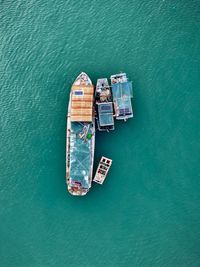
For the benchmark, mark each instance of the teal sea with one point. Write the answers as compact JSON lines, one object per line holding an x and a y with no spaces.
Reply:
{"x":147,"y":213}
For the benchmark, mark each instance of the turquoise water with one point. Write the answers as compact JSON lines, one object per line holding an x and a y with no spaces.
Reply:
{"x":147,"y":213}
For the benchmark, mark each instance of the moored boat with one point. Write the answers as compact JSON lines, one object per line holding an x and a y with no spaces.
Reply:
{"x":102,"y":170}
{"x":104,"y":105}
{"x":80,"y":142}
{"x":122,"y":94}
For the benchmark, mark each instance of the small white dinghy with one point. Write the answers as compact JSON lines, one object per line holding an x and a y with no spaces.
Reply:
{"x":102,"y":170}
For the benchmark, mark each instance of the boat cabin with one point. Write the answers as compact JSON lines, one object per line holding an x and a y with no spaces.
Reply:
{"x":105,"y":120}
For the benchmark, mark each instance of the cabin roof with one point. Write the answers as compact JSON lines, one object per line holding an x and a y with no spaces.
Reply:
{"x":122,"y":94}
{"x":122,"y":90}
{"x":82,"y":103}
{"x":105,"y":114}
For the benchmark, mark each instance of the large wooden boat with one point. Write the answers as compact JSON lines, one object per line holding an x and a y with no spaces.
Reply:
{"x":80,"y":136}
{"x":122,"y":94}
{"x":104,"y":105}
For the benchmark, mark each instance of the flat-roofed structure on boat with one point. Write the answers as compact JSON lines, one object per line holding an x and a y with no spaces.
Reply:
{"x":105,"y":111}
{"x":122,"y":93}
{"x":82,"y":103}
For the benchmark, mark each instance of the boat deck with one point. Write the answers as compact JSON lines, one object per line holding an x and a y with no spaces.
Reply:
{"x":80,"y":154}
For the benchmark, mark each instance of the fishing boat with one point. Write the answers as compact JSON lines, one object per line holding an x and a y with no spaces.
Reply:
{"x":122,"y":93}
{"x":80,"y":142}
{"x":102,"y":170}
{"x":104,"y":105}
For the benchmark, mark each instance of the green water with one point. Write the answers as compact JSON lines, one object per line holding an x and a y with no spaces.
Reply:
{"x":147,"y":213}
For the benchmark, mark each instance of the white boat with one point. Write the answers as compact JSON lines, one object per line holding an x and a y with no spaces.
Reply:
{"x":102,"y":170}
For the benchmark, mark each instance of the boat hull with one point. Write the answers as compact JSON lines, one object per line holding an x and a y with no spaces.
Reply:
{"x":80,"y":147}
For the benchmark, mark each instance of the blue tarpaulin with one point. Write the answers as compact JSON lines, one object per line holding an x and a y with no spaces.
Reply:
{"x":120,"y":90}
{"x":105,"y":114}
{"x":122,"y":94}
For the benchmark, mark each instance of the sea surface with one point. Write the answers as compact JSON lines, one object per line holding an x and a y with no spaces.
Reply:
{"x":147,"y":213}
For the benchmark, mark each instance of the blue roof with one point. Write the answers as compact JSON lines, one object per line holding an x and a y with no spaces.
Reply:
{"x":125,"y":107}
{"x":105,"y":114}
{"x":122,"y":94}
{"x":120,"y":90}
